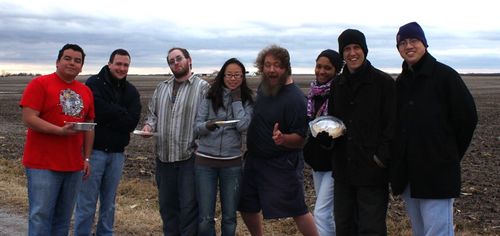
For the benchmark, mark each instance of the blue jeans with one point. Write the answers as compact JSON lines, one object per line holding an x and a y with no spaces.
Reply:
{"x":323,"y":209}
{"x":105,"y":174}
{"x":52,"y":196}
{"x":207,"y":179}
{"x":429,"y":216}
{"x":176,"y":194}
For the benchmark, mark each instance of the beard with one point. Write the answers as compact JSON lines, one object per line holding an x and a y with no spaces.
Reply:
{"x":182,"y":72}
{"x":272,"y":90}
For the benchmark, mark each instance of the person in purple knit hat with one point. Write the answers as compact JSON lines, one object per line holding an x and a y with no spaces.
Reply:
{"x":436,"y":117}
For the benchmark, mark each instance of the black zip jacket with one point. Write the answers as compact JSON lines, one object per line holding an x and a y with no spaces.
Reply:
{"x":117,"y":110}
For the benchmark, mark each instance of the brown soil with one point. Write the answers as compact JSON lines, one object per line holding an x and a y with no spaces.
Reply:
{"x":476,"y":211}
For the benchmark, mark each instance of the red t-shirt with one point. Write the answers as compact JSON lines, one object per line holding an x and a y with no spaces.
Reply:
{"x":57,"y":101}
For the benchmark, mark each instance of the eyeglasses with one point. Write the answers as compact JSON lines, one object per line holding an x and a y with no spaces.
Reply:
{"x":175,"y":60}
{"x":236,"y":76}
{"x":406,"y":42}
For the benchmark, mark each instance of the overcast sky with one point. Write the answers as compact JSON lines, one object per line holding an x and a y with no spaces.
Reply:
{"x":465,"y":36}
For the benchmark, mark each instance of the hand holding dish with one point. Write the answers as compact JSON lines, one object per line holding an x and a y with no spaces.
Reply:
{"x":144,"y":133}
{"x":329,"y":124}
{"x":82,"y":126}
{"x":226,"y":122}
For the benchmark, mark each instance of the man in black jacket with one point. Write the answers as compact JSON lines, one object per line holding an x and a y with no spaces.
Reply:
{"x":436,"y":117}
{"x":118,"y":110}
{"x":364,"y":98}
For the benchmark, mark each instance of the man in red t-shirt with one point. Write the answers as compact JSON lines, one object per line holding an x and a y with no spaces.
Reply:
{"x":56,"y":154}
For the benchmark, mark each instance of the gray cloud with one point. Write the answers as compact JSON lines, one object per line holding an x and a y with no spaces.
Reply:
{"x":35,"y":38}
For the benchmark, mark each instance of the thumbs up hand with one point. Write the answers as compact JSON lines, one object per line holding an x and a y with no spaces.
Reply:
{"x":278,"y":137}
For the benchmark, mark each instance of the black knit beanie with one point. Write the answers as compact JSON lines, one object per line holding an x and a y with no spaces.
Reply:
{"x":350,"y":36}
{"x":334,"y":58}
{"x":411,"y":30}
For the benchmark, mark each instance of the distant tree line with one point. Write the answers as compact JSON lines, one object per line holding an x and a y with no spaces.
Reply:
{"x":7,"y":74}
{"x":214,"y":73}
{"x":394,"y":75}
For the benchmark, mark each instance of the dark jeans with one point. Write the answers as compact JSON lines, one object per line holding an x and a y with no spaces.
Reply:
{"x":208,"y":179}
{"x":176,"y":194}
{"x":360,"y":210}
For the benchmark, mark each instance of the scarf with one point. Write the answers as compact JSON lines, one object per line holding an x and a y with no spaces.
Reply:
{"x":322,"y":90}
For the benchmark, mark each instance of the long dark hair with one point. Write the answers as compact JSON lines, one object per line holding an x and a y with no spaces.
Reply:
{"x":217,"y":89}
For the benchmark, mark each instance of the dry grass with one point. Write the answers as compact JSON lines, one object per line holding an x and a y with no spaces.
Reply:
{"x":138,"y":213}
{"x":137,"y":208}
{"x":137,"y":205}
{"x":13,"y":190}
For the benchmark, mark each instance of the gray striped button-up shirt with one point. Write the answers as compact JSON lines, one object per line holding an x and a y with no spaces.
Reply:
{"x":173,"y":120}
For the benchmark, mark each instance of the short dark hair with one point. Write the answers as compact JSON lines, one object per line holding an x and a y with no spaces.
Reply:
{"x":73,"y":47}
{"x":280,"y":53}
{"x":184,"y":51}
{"x":119,"y":51}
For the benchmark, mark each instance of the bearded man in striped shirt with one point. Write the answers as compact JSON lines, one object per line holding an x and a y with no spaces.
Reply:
{"x":171,"y":114}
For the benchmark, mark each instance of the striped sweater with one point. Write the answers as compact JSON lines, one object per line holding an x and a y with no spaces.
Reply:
{"x":173,"y":118}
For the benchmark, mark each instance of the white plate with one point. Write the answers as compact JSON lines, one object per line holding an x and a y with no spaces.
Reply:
{"x":144,"y":133}
{"x":226,"y":122}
